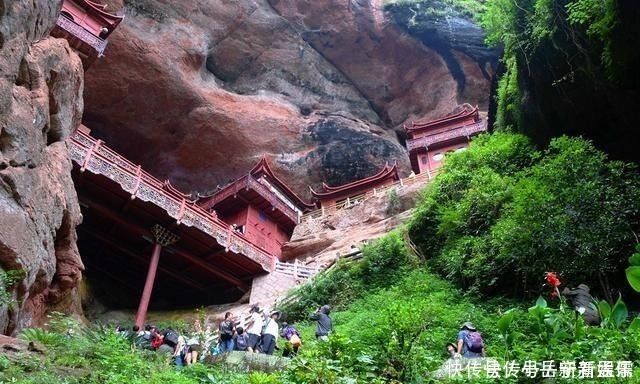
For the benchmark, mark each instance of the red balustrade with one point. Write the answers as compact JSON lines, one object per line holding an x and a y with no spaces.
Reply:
{"x":78,"y":31}
{"x":465,"y":131}
{"x":90,"y":154}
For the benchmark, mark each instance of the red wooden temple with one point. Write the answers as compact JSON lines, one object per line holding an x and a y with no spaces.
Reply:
{"x":261,"y":207}
{"x":429,"y":141}
{"x":351,"y":192}
{"x":86,"y":26}
{"x":141,"y":234}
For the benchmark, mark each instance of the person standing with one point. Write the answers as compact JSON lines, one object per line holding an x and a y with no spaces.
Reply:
{"x":226,"y":330}
{"x":324,"y":324}
{"x":270,"y":334}
{"x":193,"y":344}
{"x":254,"y":329}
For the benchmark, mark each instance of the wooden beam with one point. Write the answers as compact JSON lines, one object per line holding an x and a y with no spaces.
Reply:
{"x":119,"y":279}
{"x":134,"y":228}
{"x":204,"y":265}
{"x":111,"y":242}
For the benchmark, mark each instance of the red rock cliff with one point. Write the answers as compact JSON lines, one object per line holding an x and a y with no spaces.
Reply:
{"x":40,"y":102}
{"x":196,"y":91}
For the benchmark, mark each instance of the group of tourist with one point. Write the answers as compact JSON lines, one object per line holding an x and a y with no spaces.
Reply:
{"x":260,"y":336}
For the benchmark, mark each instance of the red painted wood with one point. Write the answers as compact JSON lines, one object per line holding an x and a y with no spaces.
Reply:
{"x":429,"y":141}
{"x":148,"y":286}
{"x":331,"y":195}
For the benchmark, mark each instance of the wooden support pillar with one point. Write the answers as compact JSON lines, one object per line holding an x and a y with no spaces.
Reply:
{"x":148,"y":286}
{"x":162,"y":238}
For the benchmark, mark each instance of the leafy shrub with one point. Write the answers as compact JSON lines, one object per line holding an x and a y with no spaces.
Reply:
{"x":501,"y":214}
{"x":383,"y":262}
{"x":8,"y":280}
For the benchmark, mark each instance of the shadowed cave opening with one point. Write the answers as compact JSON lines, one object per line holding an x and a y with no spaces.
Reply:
{"x":116,"y":242}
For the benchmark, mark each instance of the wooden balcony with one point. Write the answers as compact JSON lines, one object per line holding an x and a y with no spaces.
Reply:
{"x":89,"y":39}
{"x":465,"y":131}
{"x":90,"y":154}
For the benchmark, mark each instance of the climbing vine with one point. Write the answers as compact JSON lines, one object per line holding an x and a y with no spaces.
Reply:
{"x":570,"y":40}
{"x":8,"y":280}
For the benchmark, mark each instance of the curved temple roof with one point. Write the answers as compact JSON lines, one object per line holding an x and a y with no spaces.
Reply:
{"x":385,"y":173}
{"x":97,"y":10}
{"x":262,"y":168}
{"x":466,"y":111}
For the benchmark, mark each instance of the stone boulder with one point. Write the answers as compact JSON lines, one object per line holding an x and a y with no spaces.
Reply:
{"x":238,"y":361}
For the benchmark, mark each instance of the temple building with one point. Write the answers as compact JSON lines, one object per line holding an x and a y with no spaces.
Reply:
{"x":346,"y":194}
{"x":145,"y":244}
{"x":429,"y":141}
{"x":86,"y":26}
{"x":259,"y":206}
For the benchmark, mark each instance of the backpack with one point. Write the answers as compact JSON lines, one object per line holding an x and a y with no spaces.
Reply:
{"x":241,"y":343}
{"x":295,"y":340}
{"x":225,"y":331}
{"x":156,"y":342}
{"x":142,"y":343}
{"x":474,"y":342}
{"x":171,"y":338}
{"x":264,"y":327}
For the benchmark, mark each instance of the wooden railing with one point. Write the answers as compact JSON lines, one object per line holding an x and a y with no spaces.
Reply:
{"x":353,"y":256}
{"x":296,"y":270}
{"x":465,"y":131}
{"x":355,"y":200}
{"x":90,"y":154}
{"x":78,"y":31}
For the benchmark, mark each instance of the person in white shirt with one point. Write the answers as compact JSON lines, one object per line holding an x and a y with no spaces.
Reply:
{"x":254,"y":329}
{"x":270,"y":334}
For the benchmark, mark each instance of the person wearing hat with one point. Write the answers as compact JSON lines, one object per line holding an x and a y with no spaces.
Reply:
{"x":324,"y":324}
{"x":270,"y":334}
{"x":470,"y":343}
{"x":254,"y":328}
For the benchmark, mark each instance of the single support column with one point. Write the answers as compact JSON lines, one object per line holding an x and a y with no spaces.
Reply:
{"x":148,"y":286}
{"x":162,"y":237}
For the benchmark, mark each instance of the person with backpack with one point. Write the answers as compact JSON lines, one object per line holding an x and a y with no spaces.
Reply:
{"x":270,"y":334}
{"x":226,"y":331}
{"x":470,"y":343}
{"x":242,"y":340}
{"x":324,"y":324}
{"x":291,"y":334}
{"x":254,"y":329}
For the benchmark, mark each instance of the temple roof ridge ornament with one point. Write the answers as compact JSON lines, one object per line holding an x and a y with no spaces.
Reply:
{"x":167,"y":186}
{"x":263,"y":168}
